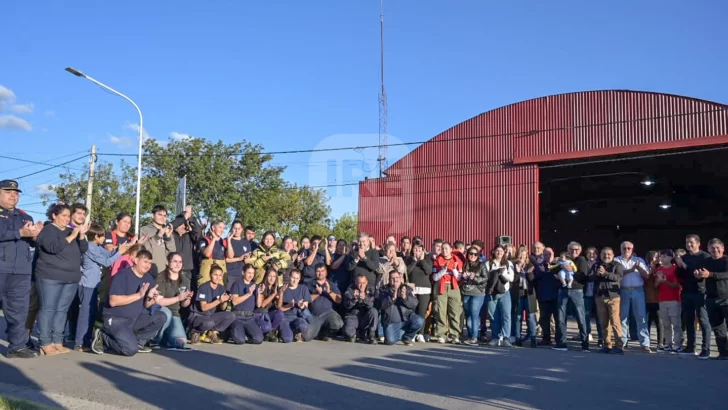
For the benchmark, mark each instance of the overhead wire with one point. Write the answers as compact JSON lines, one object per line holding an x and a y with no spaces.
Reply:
{"x":31,"y":162}
{"x":52,"y":167}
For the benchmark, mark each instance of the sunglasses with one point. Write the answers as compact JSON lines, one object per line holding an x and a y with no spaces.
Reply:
{"x":332,"y":239}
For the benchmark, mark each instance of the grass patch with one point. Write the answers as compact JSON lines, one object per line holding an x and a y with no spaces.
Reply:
{"x":7,"y":403}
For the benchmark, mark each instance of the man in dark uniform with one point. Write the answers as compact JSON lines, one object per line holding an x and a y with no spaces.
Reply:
{"x":17,"y":233}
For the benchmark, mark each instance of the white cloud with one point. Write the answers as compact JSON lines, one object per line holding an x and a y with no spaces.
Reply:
{"x":22,"y":108}
{"x":120,"y":141}
{"x":177,"y":136}
{"x":49,"y":113}
{"x":135,"y":128}
{"x":12,"y":122}
{"x":45,"y":189}
{"x":6,"y":95}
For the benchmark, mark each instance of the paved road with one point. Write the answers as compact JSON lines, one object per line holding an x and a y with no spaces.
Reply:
{"x":338,"y":375}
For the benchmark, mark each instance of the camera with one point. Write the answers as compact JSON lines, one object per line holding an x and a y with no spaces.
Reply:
{"x":182,"y":289}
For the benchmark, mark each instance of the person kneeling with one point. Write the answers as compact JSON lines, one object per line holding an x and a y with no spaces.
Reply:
{"x":244,"y":298}
{"x":267,"y":315}
{"x":397,"y":304}
{"x":324,"y":321}
{"x":293,"y":301}
{"x":360,"y":316}
{"x":128,"y":321}
{"x":209,"y":316}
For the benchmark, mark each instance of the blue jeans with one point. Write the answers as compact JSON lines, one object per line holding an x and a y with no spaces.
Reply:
{"x":633,"y":299}
{"x":575,"y":298}
{"x":589,"y":307}
{"x":694,"y":302}
{"x":55,"y":299}
{"x":394,"y":332}
{"x":88,"y":298}
{"x":472,"y":305}
{"x":501,"y":320}
{"x":523,"y":307}
{"x":172,"y":334}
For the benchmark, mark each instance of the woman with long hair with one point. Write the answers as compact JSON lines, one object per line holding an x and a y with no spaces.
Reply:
{"x":175,"y":292}
{"x":267,"y":315}
{"x":119,"y":234}
{"x":58,"y":272}
{"x":237,"y":254}
{"x":500,"y":276}
{"x":266,"y":254}
{"x":293,"y":300}
{"x":448,"y":301}
{"x":475,"y":277}
{"x":525,"y":299}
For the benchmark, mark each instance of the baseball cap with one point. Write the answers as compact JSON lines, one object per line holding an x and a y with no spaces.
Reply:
{"x":9,"y":185}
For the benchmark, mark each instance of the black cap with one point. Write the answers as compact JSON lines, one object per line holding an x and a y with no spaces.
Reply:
{"x":9,"y":185}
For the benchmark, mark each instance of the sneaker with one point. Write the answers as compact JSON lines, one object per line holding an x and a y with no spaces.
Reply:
{"x":585,"y":348}
{"x":455,"y":341}
{"x":420,"y":339}
{"x":471,"y":342}
{"x":97,"y":343}
{"x":704,"y":355}
{"x":494,"y":343}
{"x":205,"y":338}
{"x":381,"y":340}
{"x":519,"y":343}
{"x":600,"y":343}
{"x":618,"y":350}
{"x":298,"y":337}
{"x":144,"y":349}
{"x":560,"y":347}
{"x":271,"y":337}
{"x":373,"y":341}
{"x":688,"y":351}
{"x":215,"y":338}
{"x":61,"y":349}
{"x":23,"y":353}
{"x":605,"y":350}
{"x":352,"y":339}
{"x":591,"y":339}
{"x":646,"y":349}
{"x":441,"y":340}
{"x":427,"y":338}
{"x":407,"y":342}
{"x":179,"y":349}
{"x":506,"y":343}
{"x":80,"y":348}
{"x":194,"y":338}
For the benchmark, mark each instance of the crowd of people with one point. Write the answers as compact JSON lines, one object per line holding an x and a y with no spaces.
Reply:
{"x":180,"y":283}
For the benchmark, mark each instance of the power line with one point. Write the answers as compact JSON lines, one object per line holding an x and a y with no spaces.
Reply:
{"x":516,"y":134}
{"x":52,"y":167}
{"x":36,"y":162}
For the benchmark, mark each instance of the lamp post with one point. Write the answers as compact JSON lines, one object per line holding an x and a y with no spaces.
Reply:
{"x":141,"y":139}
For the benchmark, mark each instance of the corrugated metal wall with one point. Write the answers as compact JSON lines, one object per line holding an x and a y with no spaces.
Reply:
{"x":465,"y":204}
{"x":480,"y":152}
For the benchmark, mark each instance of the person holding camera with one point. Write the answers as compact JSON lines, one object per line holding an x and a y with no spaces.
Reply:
{"x":209,"y":316}
{"x":174,"y":291}
{"x":606,"y":276}
{"x":397,"y":304}
{"x":360,"y":316}
{"x":186,"y":235}
{"x":158,"y":239}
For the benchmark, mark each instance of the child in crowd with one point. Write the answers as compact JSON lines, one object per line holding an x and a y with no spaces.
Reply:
{"x":668,"y":289}
{"x":566,"y":277}
{"x":126,"y":260}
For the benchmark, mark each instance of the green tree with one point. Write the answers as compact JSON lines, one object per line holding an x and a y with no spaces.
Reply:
{"x":346,"y":227}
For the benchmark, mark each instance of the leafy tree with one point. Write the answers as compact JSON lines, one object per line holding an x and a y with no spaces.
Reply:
{"x":346,"y":227}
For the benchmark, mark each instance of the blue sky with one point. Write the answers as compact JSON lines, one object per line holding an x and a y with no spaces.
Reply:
{"x":301,"y":75}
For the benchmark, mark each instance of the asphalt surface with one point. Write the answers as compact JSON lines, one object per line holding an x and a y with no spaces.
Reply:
{"x":341,"y":375}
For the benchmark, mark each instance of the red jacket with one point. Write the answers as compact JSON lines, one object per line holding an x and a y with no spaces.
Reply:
{"x":454,"y":263}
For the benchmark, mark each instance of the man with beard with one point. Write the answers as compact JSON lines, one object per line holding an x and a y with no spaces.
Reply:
{"x":361,"y":317}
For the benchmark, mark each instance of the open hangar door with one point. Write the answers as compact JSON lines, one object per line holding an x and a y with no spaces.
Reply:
{"x":651,"y":199}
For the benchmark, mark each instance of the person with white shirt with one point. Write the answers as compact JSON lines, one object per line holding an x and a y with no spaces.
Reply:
{"x":632,"y":294}
{"x":500,"y":275}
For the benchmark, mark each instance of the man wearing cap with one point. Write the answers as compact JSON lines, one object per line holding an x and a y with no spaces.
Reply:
{"x":17,"y":233}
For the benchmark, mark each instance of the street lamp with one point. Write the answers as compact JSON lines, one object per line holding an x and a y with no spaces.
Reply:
{"x":141,"y":136}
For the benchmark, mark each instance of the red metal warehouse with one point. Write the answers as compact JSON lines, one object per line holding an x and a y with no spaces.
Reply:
{"x":480,"y":178}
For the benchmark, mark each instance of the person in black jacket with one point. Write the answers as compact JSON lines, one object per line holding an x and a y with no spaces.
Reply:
{"x":364,"y":261}
{"x":693,"y":294}
{"x":573,"y":296}
{"x":472,"y":284}
{"x":360,"y":316}
{"x":57,"y":272}
{"x":187,"y":233}
{"x":715,"y":273}
{"x":606,"y":276}
{"x":397,"y":304}
{"x":419,"y":270}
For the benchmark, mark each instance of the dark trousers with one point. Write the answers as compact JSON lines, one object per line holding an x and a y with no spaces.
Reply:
{"x":15,"y":296}
{"x":653,"y":316}
{"x":362,"y":321}
{"x":574,"y":298}
{"x":269,"y":321}
{"x":88,"y":304}
{"x":549,"y":310}
{"x":218,"y":322}
{"x":718,"y":312}
{"x":323,"y":325}
{"x":423,"y":302}
{"x":246,"y":326}
{"x":124,"y":336}
{"x":292,"y":324}
{"x":693,"y":304}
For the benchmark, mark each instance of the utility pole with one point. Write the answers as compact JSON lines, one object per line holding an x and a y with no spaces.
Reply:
{"x":383,"y":126}
{"x":90,"y":189}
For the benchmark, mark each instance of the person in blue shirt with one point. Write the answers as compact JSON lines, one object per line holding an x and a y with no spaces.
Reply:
{"x":95,"y":258}
{"x":244,"y":300}
{"x":293,"y":301}
{"x":267,"y":315}
{"x":209,"y":316}
{"x":237,"y":254}
{"x":324,"y":294}
{"x":17,"y":233}
{"x":129,"y":323}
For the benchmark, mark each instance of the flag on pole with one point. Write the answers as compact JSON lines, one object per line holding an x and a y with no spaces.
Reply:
{"x":182,"y":195}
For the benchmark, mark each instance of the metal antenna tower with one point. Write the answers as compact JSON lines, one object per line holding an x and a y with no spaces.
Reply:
{"x":383,"y":127}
